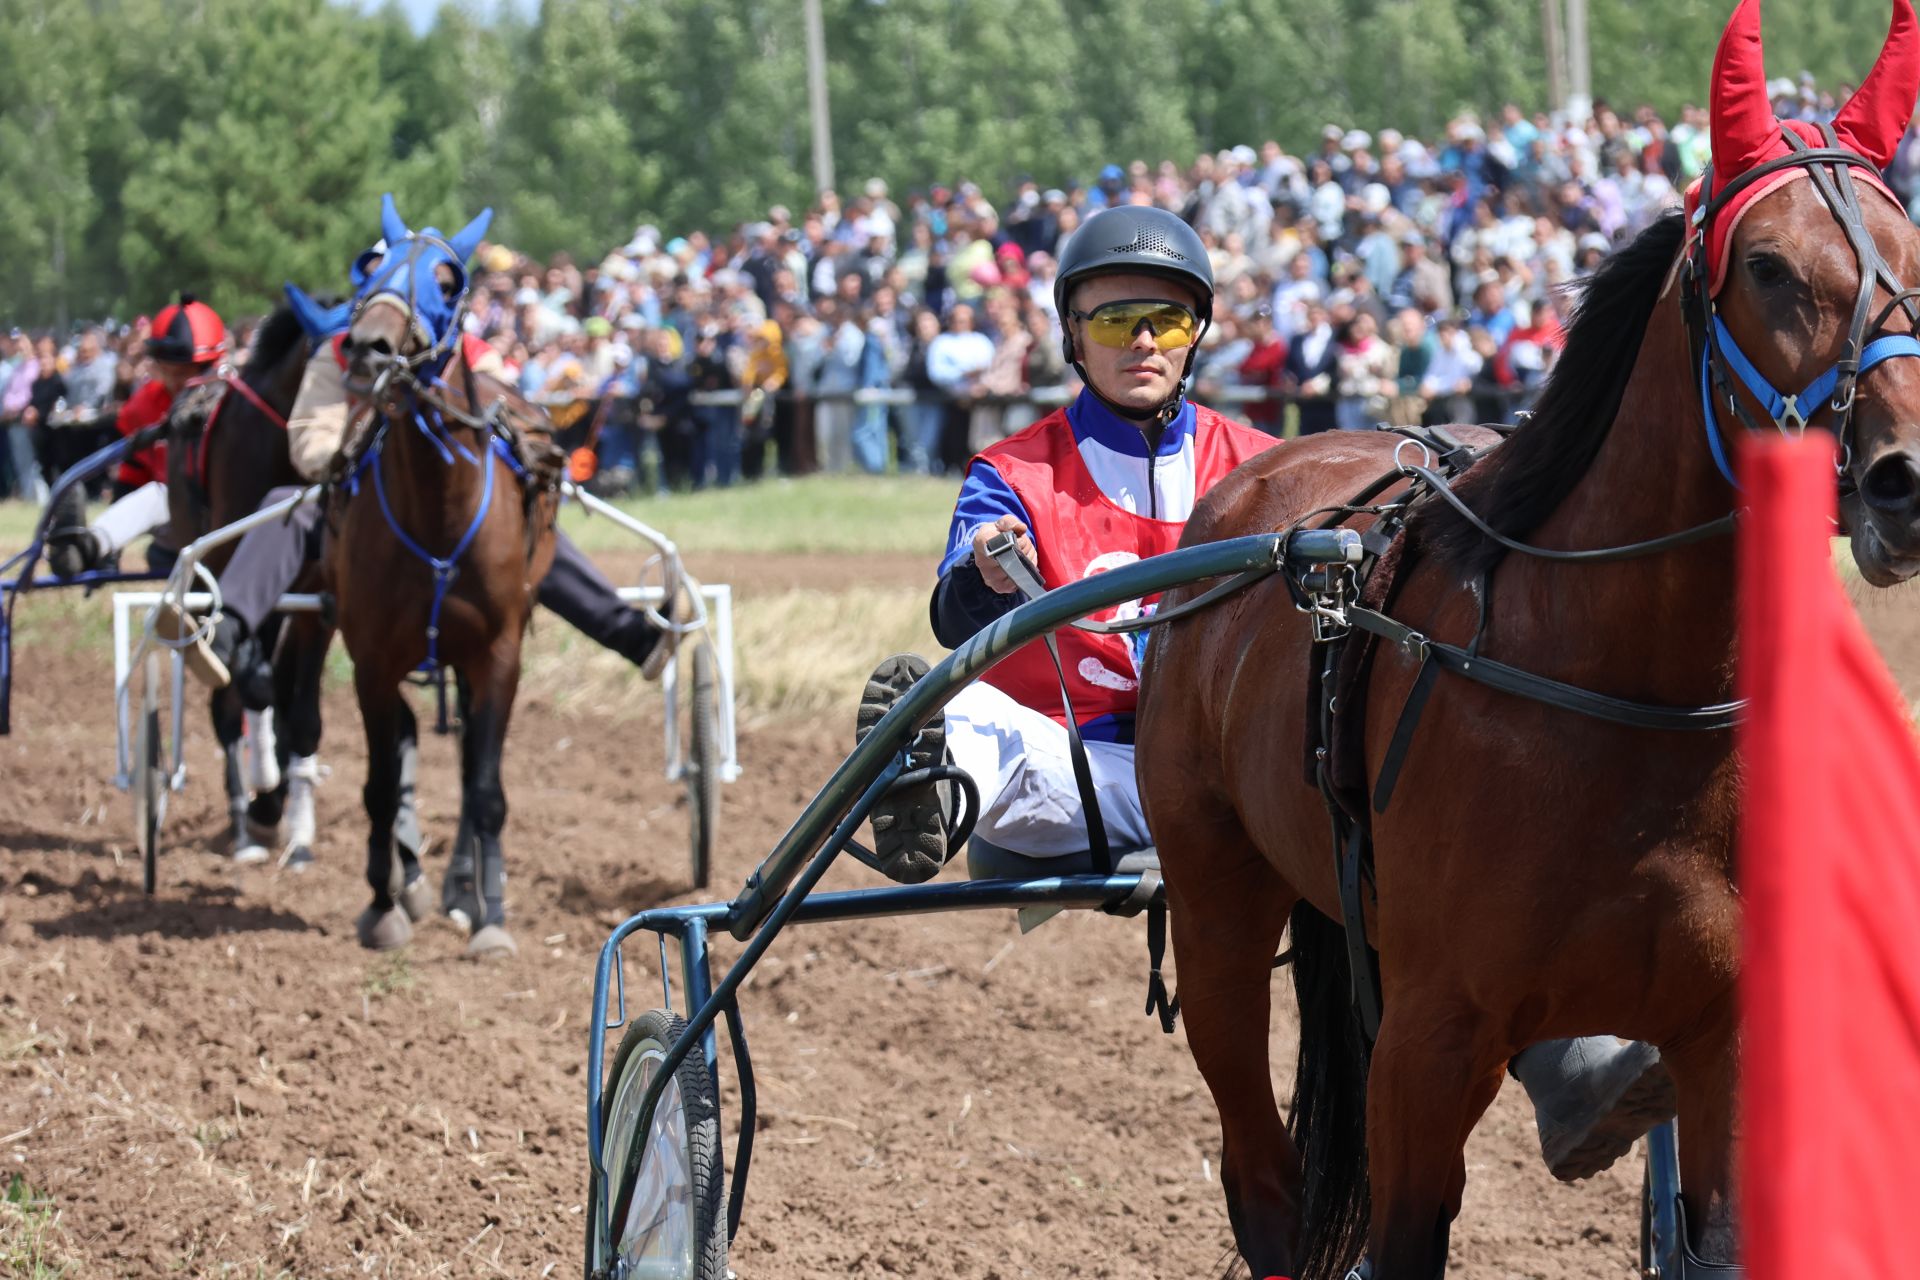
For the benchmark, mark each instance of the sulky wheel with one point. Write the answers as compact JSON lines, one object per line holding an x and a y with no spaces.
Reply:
{"x":149,"y":778}
{"x":702,"y":771}
{"x":675,"y":1228}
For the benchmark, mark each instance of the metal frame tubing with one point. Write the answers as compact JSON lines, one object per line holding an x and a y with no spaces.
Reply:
{"x":777,"y":890}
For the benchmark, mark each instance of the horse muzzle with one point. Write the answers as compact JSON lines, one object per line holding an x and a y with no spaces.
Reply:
{"x":1884,"y":516}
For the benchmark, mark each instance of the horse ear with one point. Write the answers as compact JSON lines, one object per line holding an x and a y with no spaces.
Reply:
{"x":468,"y":238}
{"x":1745,"y":132}
{"x":311,"y":315}
{"x":1877,"y":114}
{"x":391,"y":226}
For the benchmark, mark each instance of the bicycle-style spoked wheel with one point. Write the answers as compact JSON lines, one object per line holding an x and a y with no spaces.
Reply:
{"x":675,"y":1226}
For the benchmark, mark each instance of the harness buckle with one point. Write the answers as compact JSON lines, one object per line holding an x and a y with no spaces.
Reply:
{"x":1791,"y":415}
{"x":1843,"y":398}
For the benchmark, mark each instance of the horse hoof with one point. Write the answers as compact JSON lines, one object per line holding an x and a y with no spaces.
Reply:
{"x":298,"y":858}
{"x":247,"y":852}
{"x":460,"y":901}
{"x":417,"y":899}
{"x":384,"y":930}
{"x":491,"y":942}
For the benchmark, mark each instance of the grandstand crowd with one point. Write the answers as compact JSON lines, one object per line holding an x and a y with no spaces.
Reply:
{"x":1369,"y":277}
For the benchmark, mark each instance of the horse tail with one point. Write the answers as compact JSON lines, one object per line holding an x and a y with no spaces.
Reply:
{"x":1328,"y":1116}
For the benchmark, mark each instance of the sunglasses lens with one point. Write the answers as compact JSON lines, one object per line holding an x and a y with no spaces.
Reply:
{"x":1115,"y":324}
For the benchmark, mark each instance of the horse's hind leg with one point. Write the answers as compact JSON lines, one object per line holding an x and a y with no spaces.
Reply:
{"x":1228,"y":909}
{"x":484,"y":797}
{"x":299,"y":674}
{"x":460,"y":891}
{"x":383,"y":925}
{"x":1430,"y":1082}
{"x":229,"y":719}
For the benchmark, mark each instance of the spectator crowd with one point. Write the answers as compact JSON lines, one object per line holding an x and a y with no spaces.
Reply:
{"x":1376,"y":277}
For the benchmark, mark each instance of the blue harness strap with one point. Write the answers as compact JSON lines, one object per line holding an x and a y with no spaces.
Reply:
{"x":1785,"y":411}
{"x":446,"y":569}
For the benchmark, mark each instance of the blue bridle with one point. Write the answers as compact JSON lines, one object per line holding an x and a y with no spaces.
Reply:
{"x":407,"y":270}
{"x":1829,"y":169}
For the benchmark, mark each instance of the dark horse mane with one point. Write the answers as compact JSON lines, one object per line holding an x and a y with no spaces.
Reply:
{"x":1523,"y":481}
{"x":279,"y":333}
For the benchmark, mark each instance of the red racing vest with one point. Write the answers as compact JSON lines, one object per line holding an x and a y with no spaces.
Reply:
{"x":1079,"y":531}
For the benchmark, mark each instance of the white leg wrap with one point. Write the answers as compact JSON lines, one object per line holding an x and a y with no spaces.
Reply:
{"x":263,"y":759}
{"x":302,"y":773}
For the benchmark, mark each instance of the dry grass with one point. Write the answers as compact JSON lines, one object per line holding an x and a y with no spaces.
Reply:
{"x":31,"y":1238}
{"x":797,"y":653}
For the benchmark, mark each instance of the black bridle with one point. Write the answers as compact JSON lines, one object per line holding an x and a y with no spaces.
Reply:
{"x":1722,"y":364}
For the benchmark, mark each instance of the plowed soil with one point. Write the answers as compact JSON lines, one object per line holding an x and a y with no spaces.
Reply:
{"x":217,"y":1081}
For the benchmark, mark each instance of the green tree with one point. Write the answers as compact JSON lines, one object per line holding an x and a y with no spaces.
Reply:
{"x":278,"y":174}
{"x":47,"y":199}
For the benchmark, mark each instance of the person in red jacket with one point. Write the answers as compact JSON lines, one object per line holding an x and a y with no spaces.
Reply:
{"x":188,"y":340}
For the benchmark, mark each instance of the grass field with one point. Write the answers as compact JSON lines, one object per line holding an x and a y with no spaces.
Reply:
{"x":845,"y":515}
{"x":796,"y":649}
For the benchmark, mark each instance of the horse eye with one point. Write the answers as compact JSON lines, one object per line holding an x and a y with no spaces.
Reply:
{"x":1767,"y":270}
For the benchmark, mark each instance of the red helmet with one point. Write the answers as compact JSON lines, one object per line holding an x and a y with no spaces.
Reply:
{"x":187,"y":332}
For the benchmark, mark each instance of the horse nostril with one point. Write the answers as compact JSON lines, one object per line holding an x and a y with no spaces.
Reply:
{"x":1892,"y":484}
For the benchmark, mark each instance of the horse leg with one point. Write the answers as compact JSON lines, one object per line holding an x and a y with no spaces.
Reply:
{"x":1430,"y":1083}
{"x":300,"y":672}
{"x":416,"y":896}
{"x":1226,"y":931}
{"x":484,"y":797}
{"x":1706,"y":1070}
{"x":460,"y":892}
{"x":383,"y":925}
{"x":266,"y":762}
{"x":229,"y":729}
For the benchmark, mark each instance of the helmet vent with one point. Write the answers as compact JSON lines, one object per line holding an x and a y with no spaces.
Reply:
{"x":1147,"y":240}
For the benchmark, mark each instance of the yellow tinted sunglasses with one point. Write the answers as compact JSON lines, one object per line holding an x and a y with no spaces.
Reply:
{"x":1114,"y":324}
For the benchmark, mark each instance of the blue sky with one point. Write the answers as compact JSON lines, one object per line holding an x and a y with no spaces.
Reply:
{"x":420,"y":12}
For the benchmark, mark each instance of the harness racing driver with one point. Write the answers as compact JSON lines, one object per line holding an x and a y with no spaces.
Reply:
{"x":1108,"y":480}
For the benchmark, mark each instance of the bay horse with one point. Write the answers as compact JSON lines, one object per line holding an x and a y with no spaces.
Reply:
{"x":227,"y":449}
{"x":1537,"y":874}
{"x":435,"y":553}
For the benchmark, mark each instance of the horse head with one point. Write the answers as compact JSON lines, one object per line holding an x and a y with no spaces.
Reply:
{"x":1803,"y":264}
{"x":409,"y":295}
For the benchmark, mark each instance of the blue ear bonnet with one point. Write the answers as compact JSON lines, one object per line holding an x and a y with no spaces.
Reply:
{"x":319,"y":323}
{"x":408,"y":271}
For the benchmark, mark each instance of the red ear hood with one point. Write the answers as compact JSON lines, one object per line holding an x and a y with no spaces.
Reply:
{"x":1746,"y":133}
{"x":1877,"y":114}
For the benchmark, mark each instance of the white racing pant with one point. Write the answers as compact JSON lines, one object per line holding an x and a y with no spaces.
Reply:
{"x":1029,"y":801}
{"x":141,"y":512}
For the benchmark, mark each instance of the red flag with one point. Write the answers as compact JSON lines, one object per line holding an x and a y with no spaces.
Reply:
{"x":1830,"y":878}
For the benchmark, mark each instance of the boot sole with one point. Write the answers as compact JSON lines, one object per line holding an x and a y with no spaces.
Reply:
{"x":1648,"y":1100}
{"x":171,"y":623}
{"x":909,"y":826}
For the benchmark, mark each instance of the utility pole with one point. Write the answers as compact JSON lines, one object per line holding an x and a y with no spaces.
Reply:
{"x":1580,"y":77}
{"x":1554,"y":37}
{"x":817,"y":98}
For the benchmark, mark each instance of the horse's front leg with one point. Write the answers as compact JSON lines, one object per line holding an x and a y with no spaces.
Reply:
{"x":490,"y":691}
{"x":1429,"y":1084}
{"x":1705,"y":1069}
{"x":383,"y":925}
{"x":1228,"y":909}
{"x":229,"y":721}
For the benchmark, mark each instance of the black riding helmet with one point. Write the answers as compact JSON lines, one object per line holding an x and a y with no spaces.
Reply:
{"x":1139,"y":238}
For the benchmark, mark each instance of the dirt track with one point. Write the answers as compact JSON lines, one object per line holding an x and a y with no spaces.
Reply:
{"x":218,"y":1081}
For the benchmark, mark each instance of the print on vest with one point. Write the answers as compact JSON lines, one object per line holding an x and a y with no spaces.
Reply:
{"x":1124,"y":612}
